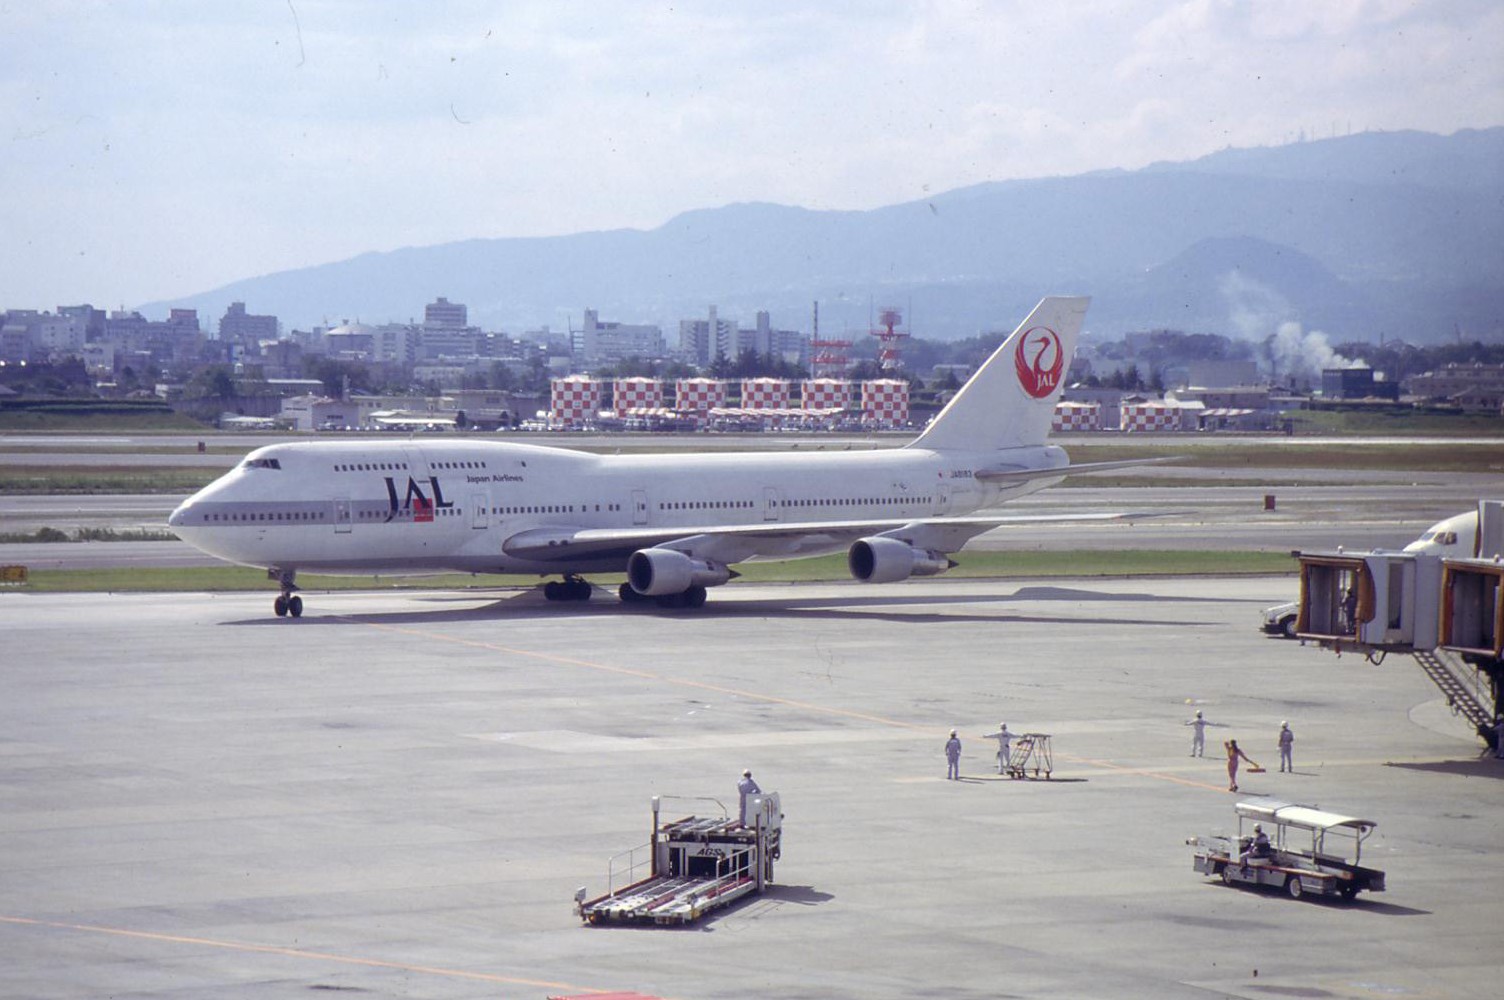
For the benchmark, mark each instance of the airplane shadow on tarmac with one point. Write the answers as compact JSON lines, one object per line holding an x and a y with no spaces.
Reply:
{"x":855,"y":607}
{"x":1479,"y":767}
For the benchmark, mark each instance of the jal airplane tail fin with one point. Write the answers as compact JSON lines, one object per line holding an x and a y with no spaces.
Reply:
{"x":1010,"y":401}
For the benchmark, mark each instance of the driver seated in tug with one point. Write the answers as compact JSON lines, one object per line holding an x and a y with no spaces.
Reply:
{"x":1259,"y":849}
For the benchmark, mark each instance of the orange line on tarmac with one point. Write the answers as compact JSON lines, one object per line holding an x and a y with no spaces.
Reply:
{"x":262,"y":949}
{"x":1108,"y":766}
{"x":647,"y":676}
{"x":740,"y":693}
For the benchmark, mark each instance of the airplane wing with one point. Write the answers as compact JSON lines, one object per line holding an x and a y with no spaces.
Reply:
{"x":772,"y":540}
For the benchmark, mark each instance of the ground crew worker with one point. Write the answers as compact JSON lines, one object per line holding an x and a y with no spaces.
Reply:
{"x":1499,"y":738}
{"x":1234,"y":754}
{"x":1286,"y":748}
{"x":747,"y":787}
{"x":1198,"y":735}
{"x":953,"y":758}
{"x":1004,"y":752}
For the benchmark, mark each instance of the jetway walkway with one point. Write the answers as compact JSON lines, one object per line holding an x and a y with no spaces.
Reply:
{"x":1449,"y":674}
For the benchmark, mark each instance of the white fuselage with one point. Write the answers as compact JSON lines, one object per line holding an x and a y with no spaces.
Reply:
{"x":422,"y":506}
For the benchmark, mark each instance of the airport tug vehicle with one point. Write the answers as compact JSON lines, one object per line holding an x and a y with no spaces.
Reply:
{"x":1309,"y":851}
{"x":691,"y":866}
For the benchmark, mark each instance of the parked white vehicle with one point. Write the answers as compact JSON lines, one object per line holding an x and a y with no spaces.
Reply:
{"x":1280,"y":619}
{"x":1307,"y":850}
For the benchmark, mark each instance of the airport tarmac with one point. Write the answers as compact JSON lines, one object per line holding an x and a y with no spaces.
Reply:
{"x":398,"y":794}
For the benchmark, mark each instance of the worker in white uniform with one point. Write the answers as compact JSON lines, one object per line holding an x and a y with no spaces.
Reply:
{"x":1004,"y":751}
{"x":1286,"y":748}
{"x":953,"y":757}
{"x":1198,"y":735}
{"x":747,"y":787}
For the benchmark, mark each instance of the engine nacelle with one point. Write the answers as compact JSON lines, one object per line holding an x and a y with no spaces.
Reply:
{"x":657,"y":572}
{"x":887,"y":560}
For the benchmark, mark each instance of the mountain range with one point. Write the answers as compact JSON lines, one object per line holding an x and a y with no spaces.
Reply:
{"x":1380,"y":234}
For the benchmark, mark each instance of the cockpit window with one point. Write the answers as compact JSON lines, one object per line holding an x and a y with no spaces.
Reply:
{"x":262,"y":463}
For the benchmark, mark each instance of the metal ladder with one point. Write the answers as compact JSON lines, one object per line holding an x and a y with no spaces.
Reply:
{"x":1460,"y":697}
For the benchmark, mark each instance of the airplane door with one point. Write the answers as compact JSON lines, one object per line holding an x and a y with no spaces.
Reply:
{"x":942,"y":498}
{"x":480,"y":510}
{"x":342,"y":520}
{"x":639,"y":506}
{"x":769,"y":503}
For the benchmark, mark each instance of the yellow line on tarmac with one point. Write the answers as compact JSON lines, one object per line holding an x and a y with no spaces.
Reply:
{"x":262,"y":949}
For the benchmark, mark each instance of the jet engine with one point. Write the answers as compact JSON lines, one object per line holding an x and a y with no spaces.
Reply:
{"x":658,"y":572}
{"x":886,"y":560}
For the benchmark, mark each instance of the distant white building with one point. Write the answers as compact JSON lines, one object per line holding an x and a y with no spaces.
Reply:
{"x":597,"y":341}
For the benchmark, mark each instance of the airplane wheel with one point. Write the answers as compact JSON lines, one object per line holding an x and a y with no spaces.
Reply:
{"x":295,"y":606}
{"x":694,"y":597}
{"x":579,"y":590}
{"x":280,"y":606}
{"x":1294,"y":887}
{"x":627,"y":594}
{"x":553,"y":590}
{"x":670,"y":601}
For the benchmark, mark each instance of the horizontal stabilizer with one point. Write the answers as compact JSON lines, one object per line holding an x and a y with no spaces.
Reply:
{"x":1026,"y":475}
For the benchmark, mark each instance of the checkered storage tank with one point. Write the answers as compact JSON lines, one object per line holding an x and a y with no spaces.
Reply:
{"x":574,"y":399}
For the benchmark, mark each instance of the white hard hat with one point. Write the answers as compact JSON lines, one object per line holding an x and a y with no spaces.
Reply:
{"x":1198,"y":713}
{"x":953,"y":732}
{"x":1284,"y":725}
{"x":747,"y":773}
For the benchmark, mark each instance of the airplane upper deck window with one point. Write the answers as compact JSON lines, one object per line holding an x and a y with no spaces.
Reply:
{"x":262,"y":463}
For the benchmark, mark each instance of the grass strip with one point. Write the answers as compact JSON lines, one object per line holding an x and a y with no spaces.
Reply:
{"x":980,"y":565}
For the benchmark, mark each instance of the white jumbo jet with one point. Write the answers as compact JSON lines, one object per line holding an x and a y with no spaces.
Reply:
{"x":676,"y":524}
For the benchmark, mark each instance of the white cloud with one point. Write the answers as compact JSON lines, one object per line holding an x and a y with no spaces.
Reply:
{"x":161,"y":149}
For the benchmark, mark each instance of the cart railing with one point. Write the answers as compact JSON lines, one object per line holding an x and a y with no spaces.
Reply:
{"x":630,"y":865}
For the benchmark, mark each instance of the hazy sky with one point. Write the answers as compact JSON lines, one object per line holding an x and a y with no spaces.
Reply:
{"x":154,"y":149}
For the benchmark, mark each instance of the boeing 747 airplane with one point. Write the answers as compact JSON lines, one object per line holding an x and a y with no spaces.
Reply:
{"x":676,"y":524}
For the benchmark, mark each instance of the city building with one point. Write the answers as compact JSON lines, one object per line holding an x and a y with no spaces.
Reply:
{"x":1356,"y":383}
{"x":442,"y":313}
{"x":596,"y":341}
{"x":240,"y":327}
{"x":1470,"y":384}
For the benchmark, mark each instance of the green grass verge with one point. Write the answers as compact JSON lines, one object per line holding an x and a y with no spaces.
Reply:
{"x":34,"y":480}
{"x":980,"y":565}
{"x":51,"y":421}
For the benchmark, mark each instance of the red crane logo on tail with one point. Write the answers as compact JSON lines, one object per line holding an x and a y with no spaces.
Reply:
{"x":1039,"y":361}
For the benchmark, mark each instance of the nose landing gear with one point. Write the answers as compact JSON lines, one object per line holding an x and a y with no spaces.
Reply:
{"x":287,"y":602}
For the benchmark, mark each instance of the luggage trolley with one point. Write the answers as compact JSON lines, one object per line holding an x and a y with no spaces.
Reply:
{"x":1031,"y":752}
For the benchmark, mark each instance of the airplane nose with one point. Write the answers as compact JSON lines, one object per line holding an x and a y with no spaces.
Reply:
{"x":179,"y":516}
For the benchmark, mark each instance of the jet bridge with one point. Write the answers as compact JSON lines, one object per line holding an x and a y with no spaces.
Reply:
{"x":690,"y":866}
{"x":1446,"y":613}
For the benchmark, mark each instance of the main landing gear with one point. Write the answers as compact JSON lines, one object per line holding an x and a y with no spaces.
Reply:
{"x":571,"y":588}
{"x":287,"y":602}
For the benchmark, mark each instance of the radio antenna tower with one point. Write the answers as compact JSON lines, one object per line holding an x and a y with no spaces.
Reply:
{"x":889,"y":339}
{"x":827,"y":356}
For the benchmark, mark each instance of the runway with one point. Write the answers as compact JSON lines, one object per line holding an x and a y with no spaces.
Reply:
{"x":398,"y":794}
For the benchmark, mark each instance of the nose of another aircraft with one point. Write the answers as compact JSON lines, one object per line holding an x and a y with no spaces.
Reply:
{"x":179,"y":517}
